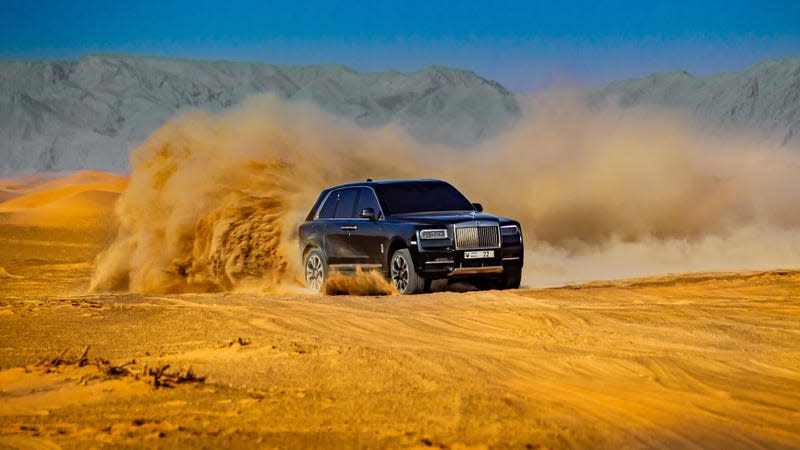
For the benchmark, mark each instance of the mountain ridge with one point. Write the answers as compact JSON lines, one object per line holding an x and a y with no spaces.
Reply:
{"x":91,"y":112}
{"x":762,"y":100}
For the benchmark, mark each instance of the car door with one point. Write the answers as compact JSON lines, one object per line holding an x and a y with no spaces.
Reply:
{"x":338,"y":249}
{"x":367,"y":240}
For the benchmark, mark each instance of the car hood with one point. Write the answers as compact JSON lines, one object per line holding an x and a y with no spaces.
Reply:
{"x":442,"y":217}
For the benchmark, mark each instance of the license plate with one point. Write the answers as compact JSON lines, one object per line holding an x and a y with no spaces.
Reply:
{"x":479,"y":254}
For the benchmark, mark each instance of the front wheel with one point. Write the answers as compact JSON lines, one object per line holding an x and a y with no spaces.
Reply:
{"x":404,"y":277}
{"x":316,"y":269}
{"x":511,"y":279}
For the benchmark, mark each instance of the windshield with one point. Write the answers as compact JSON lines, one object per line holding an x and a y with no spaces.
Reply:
{"x":407,"y":198}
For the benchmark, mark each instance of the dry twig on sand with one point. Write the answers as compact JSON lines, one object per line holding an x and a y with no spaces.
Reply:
{"x":158,"y":377}
{"x":240,"y":341}
{"x":61,"y":360}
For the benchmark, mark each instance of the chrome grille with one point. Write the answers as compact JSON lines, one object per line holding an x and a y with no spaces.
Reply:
{"x":484,"y":236}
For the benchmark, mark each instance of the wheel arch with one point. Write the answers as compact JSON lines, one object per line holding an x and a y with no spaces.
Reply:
{"x":395,"y":244}
{"x":310,"y":245}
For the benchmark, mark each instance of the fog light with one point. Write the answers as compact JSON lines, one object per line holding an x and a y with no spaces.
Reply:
{"x":441,"y":261}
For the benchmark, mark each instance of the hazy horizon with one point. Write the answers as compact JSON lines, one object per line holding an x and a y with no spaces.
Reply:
{"x":563,"y":83}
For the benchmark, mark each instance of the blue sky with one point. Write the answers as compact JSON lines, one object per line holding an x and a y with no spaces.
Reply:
{"x":527,"y":46}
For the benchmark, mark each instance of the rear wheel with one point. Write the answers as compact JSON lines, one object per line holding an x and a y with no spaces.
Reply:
{"x":404,"y":277}
{"x":316,"y":269}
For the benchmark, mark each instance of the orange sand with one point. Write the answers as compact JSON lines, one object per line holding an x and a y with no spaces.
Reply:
{"x":683,"y":361}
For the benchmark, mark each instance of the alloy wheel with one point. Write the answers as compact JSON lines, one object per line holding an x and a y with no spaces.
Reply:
{"x":400,"y":273}
{"x":315,"y":274}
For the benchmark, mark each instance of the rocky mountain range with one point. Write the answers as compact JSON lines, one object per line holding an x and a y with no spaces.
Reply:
{"x":762,"y":101}
{"x":90,"y":113}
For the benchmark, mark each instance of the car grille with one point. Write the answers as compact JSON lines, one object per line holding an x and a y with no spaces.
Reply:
{"x":485,"y":236}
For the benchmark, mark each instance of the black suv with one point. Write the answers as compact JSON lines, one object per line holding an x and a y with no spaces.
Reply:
{"x":413,"y":231}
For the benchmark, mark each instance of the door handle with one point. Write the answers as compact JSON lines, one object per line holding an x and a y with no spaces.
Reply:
{"x":348,"y":228}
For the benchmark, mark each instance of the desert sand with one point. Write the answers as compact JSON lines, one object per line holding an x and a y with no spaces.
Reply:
{"x":682,"y":361}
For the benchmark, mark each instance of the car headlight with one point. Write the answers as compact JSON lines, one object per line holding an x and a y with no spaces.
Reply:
{"x":509,"y":230}
{"x":433,"y":234}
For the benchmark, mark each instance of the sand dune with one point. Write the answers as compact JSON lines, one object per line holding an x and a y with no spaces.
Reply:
{"x":81,"y":208}
{"x":6,"y":194}
{"x":85,"y":198}
{"x":52,"y":180}
{"x":17,"y":185}
{"x":52,"y":227}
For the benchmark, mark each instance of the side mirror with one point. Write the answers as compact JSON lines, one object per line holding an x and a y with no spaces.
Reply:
{"x":478,"y":207}
{"x":368,"y":213}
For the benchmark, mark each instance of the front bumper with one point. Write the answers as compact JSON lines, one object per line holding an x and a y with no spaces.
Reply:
{"x":460,"y":271}
{"x":447,"y":262}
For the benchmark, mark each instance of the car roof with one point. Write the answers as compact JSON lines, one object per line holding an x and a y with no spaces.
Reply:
{"x":373,"y":183}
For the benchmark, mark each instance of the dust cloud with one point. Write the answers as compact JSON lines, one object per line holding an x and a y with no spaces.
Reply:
{"x":610,"y":193}
{"x":362,"y":283}
{"x":214,"y":200}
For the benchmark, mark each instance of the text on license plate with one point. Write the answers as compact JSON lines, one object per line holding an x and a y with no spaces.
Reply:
{"x":478,"y":254}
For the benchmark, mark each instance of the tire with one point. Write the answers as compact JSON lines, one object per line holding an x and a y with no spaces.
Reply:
{"x":315,"y":269}
{"x":485,"y":283}
{"x":511,"y":279}
{"x":403,"y":275}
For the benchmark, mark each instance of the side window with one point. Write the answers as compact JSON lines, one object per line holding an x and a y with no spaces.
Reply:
{"x":366,"y":199}
{"x":347,"y":202}
{"x":330,"y":206}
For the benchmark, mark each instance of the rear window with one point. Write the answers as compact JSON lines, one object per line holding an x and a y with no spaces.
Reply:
{"x":347,"y":204}
{"x":330,"y":206}
{"x":422,"y":197}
